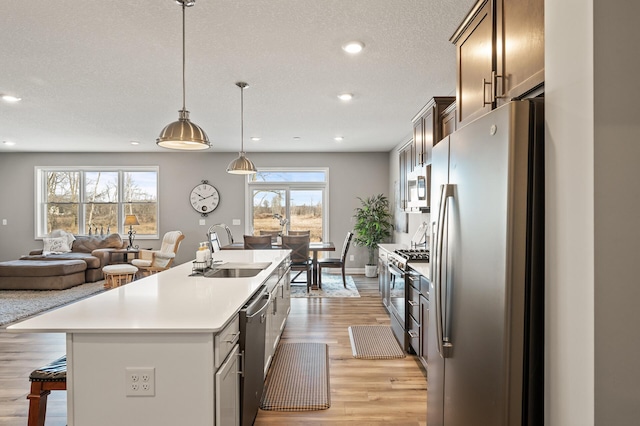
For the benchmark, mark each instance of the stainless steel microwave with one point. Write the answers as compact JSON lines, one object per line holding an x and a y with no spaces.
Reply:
{"x":418,"y":189}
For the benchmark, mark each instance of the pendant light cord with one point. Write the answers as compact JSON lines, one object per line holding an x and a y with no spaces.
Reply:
{"x":184,"y":108}
{"x":242,"y":119}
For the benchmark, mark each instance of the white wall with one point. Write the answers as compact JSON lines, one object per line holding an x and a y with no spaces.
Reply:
{"x":569,"y":393}
{"x":593,"y":199}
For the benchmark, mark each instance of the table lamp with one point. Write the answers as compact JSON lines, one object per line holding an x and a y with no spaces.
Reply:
{"x":131,"y":220}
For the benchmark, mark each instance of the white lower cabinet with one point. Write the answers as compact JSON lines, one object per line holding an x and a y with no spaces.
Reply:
{"x":277,"y":313}
{"x":227,"y":390}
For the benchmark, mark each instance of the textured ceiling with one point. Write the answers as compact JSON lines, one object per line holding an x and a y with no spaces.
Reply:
{"x":95,"y":75}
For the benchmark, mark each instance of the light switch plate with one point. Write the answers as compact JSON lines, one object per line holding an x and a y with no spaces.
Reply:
{"x":203,"y":221}
{"x":236,"y":222}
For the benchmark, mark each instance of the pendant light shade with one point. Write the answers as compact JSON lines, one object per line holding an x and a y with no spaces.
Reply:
{"x":241,"y":165}
{"x":183,"y":134}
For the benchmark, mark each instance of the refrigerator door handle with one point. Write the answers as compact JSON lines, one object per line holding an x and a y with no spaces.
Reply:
{"x":444,"y":343}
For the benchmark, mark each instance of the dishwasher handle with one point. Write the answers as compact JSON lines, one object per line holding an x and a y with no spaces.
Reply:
{"x":262,"y":302}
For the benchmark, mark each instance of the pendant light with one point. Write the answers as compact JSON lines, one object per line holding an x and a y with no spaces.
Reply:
{"x":241,"y":165}
{"x":183,"y":134}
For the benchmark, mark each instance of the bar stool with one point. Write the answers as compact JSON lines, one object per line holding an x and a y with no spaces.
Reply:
{"x":52,"y":376}
{"x":119,"y":274}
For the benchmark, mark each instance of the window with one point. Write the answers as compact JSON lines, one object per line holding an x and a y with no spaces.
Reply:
{"x":288,"y":199}
{"x":96,"y":200}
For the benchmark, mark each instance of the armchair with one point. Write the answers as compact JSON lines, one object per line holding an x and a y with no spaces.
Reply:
{"x":152,"y":261}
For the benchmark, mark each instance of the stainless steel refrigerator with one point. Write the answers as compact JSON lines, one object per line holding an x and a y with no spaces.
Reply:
{"x":485,"y":361}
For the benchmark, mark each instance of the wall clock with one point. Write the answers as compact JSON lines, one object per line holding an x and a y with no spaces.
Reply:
{"x":204,"y":198}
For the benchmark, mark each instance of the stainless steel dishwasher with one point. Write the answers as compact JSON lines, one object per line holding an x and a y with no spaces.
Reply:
{"x":253,"y":328}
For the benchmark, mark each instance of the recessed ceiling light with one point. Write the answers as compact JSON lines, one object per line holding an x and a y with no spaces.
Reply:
{"x":135,"y":143}
{"x":9,"y":98}
{"x":8,"y":143}
{"x":338,"y":139}
{"x":353,"y":47}
{"x":345,"y":96}
{"x":296,"y":138}
{"x":255,"y":139}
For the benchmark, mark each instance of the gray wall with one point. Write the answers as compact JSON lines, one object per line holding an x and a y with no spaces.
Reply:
{"x":351,"y":175}
{"x":616,"y":212}
{"x":593,"y":199}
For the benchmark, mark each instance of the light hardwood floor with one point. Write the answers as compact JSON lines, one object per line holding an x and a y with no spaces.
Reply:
{"x":363,"y":392}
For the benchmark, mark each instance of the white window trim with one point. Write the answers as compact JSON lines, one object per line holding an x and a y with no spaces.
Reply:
{"x":248,"y":220}
{"x":40,"y":183}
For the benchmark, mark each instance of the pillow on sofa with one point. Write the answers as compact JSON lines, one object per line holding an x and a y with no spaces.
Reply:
{"x":55,"y":245}
{"x":87,"y":244}
{"x":61,"y":233}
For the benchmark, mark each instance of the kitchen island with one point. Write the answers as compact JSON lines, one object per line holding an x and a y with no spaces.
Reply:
{"x":160,"y":350}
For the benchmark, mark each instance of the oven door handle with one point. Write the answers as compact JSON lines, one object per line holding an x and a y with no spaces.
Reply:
{"x":396,"y":271}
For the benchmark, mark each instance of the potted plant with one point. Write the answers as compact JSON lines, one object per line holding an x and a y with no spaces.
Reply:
{"x":373,"y":226}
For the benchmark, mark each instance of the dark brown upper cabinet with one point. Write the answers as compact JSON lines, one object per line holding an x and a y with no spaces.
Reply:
{"x":427,"y":128}
{"x":500,"y":55}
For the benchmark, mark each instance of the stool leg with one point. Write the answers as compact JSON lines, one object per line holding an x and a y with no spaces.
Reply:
{"x":37,"y":404}
{"x":107,"y":281}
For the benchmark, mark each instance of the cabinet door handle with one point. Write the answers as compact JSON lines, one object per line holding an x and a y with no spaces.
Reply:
{"x":486,"y":83}
{"x":494,"y":91}
{"x":412,"y":303}
{"x":413,"y":334}
{"x":234,"y":337}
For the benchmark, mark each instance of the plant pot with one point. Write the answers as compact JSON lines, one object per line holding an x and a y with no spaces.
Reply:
{"x":370,"y":270}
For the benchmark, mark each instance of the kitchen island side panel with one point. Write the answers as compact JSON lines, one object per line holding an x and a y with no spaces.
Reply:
{"x":184,"y":379}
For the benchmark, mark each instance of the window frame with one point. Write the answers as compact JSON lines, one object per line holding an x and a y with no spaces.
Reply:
{"x":288,"y":186}
{"x":40,"y":181}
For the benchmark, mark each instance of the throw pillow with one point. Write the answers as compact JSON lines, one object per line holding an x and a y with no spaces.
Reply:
{"x":60,"y":233}
{"x":55,"y":245}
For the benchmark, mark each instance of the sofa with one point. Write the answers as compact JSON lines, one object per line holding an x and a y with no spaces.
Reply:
{"x":94,"y":250}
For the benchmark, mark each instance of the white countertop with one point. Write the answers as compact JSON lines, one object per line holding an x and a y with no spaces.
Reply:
{"x":423,"y":268}
{"x":167,"y":302}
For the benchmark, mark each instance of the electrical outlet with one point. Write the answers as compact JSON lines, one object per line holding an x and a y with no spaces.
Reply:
{"x":203,"y":222}
{"x":4,"y":221}
{"x":351,"y":257}
{"x":235,"y":222}
{"x":140,"y":381}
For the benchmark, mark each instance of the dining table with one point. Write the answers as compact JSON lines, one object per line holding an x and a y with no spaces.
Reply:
{"x":314,"y":248}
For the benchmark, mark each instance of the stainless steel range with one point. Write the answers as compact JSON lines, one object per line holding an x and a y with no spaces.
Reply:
{"x":395,"y":295}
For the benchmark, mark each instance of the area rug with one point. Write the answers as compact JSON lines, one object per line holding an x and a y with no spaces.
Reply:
{"x":374,"y":342}
{"x":18,"y":304}
{"x":298,"y":379}
{"x":332,"y":286}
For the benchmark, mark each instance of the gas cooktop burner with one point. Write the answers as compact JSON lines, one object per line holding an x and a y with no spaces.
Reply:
{"x":414,"y":254}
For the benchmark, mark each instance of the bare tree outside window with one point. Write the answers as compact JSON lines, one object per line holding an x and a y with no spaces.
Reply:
{"x":294,"y":195}
{"x":96,"y":201}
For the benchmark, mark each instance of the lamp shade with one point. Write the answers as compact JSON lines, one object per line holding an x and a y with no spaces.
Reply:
{"x":241,"y":166}
{"x":131,"y":219}
{"x":184,"y":135}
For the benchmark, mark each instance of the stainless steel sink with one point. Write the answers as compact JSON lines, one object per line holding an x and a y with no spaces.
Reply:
{"x":237,"y":270}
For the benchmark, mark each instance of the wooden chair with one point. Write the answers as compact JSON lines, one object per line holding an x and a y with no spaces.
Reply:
{"x":291,"y":232}
{"x":257,"y":242}
{"x":273,"y":234}
{"x":300,"y":262}
{"x":153,"y":261}
{"x":331,"y":262}
{"x":49,"y":378}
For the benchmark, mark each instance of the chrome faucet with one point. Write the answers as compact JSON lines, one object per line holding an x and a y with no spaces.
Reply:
{"x":223,"y":226}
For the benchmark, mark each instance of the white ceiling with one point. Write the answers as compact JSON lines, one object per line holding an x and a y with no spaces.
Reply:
{"x":95,"y":75}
